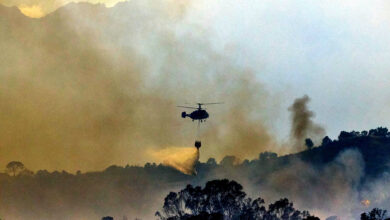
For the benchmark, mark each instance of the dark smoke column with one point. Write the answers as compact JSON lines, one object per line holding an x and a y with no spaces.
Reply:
{"x":302,"y":124}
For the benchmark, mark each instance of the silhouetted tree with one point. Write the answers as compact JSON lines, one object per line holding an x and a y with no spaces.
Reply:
{"x":256,"y":210}
{"x":326,"y":140}
{"x":42,"y":173}
{"x":267,"y":155}
{"x":311,"y":218}
{"x":224,"y":199}
{"x":380,"y":131}
{"x":309,"y":143}
{"x":218,"y":196}
{"x":211,"y":162}
{"x":205,"y":216}
{"x":228,"y":161}
{"x":374,"y":214}
{"x":26,"y":172}
{"x":14,"y":167}
{"x":108,"y":218}
{"x":148,"y":165}
{"x":224,"y":196}
{"x":343,"y":135}
{"x":283,"y":209}
{"x":246,"y":162}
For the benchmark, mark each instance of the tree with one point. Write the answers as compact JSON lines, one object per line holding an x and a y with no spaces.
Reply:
{"x":224,"y":196}
{"x":206,"y":216}
{"x":229,"y":161}
{"x":374,"y":214}
{"x":343,"y":135}
{"x":326,"y":140}
{"x":26,"y":172}
{"x":42,"y":173}
{"x":224,"y":199}
{"x":283,"y":209}
{"x":267,"y":156}
{"x":211,"y":162}
{"x":309,"y":143}
{"x":15,"y":167}
{"x":255,"y":211}
{"x":246,"y":162}
{"x":380,"y":131}
{"x":218,"y":196}
{"x":311,"y":218}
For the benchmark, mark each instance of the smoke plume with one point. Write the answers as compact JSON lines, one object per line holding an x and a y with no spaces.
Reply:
{"x":302,"y":124}
{"x":331,"y":189}
{"x":100,"y":85}
{"x":40,"y":8}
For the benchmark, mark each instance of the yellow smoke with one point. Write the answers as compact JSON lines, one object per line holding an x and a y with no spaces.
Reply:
{"x":79,"y":96}
{"x":40,"y":8}
{"x":182,"y":159}
{"x":34,"y":11}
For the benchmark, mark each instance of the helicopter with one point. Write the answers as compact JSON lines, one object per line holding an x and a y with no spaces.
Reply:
{"x":199,"y":113}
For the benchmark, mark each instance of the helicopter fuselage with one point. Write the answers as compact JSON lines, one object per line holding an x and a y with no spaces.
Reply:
{"x":199,"y":114}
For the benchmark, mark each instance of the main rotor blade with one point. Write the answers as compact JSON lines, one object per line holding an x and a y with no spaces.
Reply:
{"x":186,"y":107}
{"x":211,"y":103}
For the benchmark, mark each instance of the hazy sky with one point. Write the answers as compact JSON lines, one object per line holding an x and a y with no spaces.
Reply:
{"x":336,"y":52}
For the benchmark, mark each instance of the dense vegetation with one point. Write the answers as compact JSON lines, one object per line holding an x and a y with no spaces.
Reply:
{"x":224,"y":199}
{"x":134,"y":191}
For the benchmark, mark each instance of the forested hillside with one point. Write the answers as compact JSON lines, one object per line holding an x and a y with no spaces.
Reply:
{"x":348,"y":164}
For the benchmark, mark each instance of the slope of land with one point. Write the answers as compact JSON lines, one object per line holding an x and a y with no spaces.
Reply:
{"x":332,"y":168}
